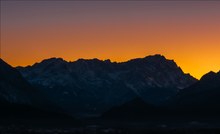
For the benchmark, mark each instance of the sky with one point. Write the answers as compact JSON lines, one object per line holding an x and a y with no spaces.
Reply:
{"x":187,"y":32}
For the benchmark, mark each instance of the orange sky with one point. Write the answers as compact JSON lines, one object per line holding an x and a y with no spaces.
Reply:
{"x":188,"y":32}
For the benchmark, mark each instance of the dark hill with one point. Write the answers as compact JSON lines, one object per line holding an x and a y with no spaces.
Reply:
{"x":18,"y":101}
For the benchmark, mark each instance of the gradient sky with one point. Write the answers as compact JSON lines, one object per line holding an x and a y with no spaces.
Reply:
{"x":188,"y":32}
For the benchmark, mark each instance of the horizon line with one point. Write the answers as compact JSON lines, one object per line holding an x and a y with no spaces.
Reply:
{"x":111,"y":61}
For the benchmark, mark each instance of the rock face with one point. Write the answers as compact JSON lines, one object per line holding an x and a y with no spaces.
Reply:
{"x":93,"y":86}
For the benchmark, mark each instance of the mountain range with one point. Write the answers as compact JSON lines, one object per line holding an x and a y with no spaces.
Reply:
{"x":147,"y":86}
{"x":94,"y":86}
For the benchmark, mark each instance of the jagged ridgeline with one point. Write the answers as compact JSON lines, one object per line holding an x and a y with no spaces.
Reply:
{"x":92,"y":86}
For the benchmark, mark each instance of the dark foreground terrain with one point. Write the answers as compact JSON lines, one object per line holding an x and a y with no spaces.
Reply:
{"x":94,"y":126}
{"x":97,"y":130}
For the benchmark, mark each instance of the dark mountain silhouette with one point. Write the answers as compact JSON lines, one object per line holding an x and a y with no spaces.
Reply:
{"x":14,"y":88}
{"x":18,"y":101}
{"x":201,"y":97}
{"x":93,"y":86}
{"x":196,"y":102}
{"x":153,"y":91}
{"x":146,"y":89}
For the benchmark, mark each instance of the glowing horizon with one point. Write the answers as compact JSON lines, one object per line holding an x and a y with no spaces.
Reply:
{"x":71,"y":60}
{"x":187,"y":32}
